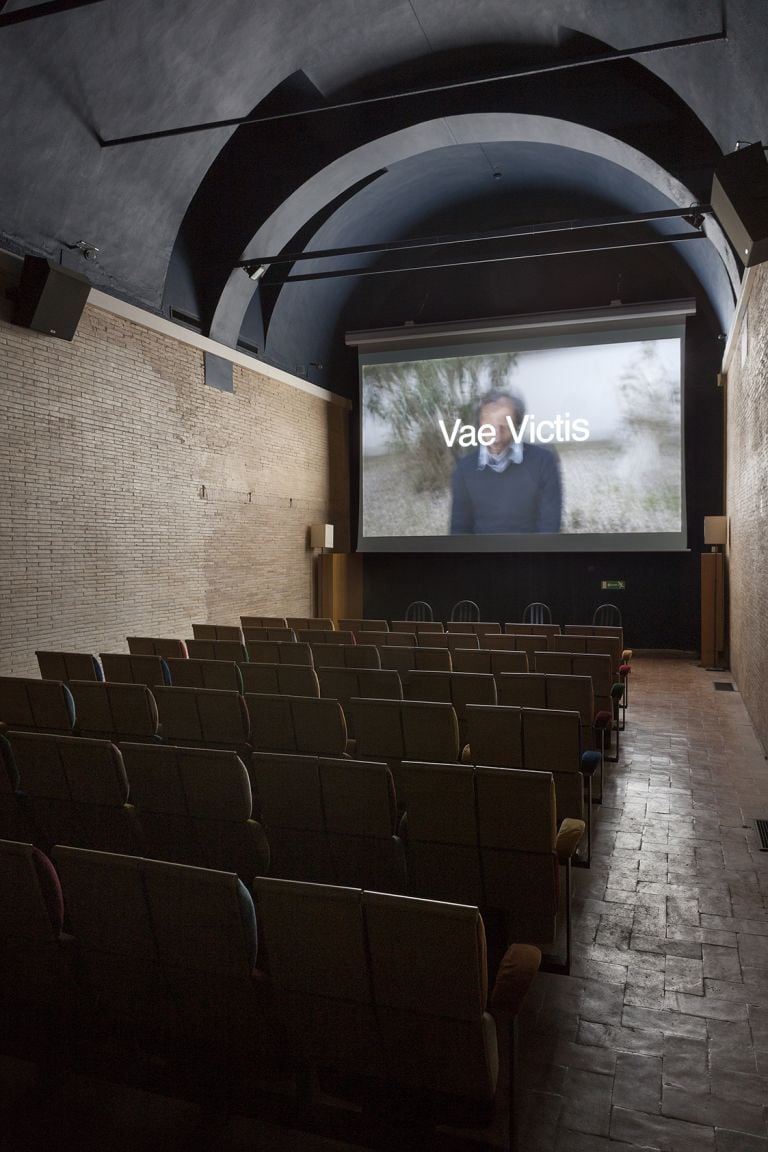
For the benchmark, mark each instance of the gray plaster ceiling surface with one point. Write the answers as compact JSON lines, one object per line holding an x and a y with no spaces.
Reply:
{"x":120,"y":67}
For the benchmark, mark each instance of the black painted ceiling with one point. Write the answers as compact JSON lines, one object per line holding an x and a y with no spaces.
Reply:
{"x":172,"y":216}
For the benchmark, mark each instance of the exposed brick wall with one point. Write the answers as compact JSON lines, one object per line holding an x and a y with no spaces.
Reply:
{"x":747,"y":505}
{"x":137,"y":500}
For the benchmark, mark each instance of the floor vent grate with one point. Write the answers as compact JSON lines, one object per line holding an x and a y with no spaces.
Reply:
{"x":761,"y":827}
{"x":724,"y":686}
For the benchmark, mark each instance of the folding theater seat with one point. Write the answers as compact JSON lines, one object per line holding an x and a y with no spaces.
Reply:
{"x":522,"y":689}
{"x":193,"y":806}
{"x":363,"y":625}
{"x":76,"y":792}
{"x":15,"y":822}
{"x":262,"y":622}
{"x":203,"y":718}
{"x":449,"y":640}
{"x":440,"y":831}
{"x":514,"y":628}
{"x":278,"y":652}
{"x":521,"y":851}
{"x":230,"y":632}
{"x":479,"y":628}
{"x":122,"y":668}
{"x":360,"y":811}
{"x":488,"y":661}
{"x":607,"y":691}
{"x":518,"y":642}
{"x":397,"y":730}
{"x":539,"y":740}
{"x":37,"y":989}
{"x":407,"y":659}
{"x":193,"y":672}
{"x":232,"y":650}
{"x":457,"y":688}
{"x":275,"y":634}
{"x":318,"y":636}
{"x":386,"y":997}
{"x":361,"y":655}
{"x":288,"y":799}
{"x":68,"y":666}
{"x":125,"y":989}
{"x":156,"y":646}
{"x":204,"y":925}
{"x":107,"y":711}
{"x":310,"y":623}
{"x":301,"y":724}
{"x":290,"y":679}
{"x":392,"y":639}
{"x":167,"y":953}
{"x":418,"y":627}
{"x":28,"y":704}
{"x":344,"y":684}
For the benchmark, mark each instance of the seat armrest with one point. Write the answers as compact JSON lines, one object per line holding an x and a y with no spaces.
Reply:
{"x":466,"y":755}
{"x":590,"y":762}
{"x":568,"y":837}
{"x":518,"y":967}
{"x":627,"y":655}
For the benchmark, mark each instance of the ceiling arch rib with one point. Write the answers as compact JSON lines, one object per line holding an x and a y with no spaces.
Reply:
{"x":482,"y":130}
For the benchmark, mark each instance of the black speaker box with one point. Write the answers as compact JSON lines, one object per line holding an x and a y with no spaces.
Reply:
{"x":740,"y":201}
{"x":50,"y":298}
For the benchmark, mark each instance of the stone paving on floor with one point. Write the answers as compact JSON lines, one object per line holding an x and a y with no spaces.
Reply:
{"x":659,"y":1038}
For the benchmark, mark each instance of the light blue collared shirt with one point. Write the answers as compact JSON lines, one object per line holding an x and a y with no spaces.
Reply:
{"x":512,"y":454}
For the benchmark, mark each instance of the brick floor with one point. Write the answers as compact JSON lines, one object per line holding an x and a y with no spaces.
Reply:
{"x":659,"y":1038}
{"x":670,"y":986}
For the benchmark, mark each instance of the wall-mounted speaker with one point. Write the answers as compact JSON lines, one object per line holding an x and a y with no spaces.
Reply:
{"x":50,"y":298}
{"x":740,"y":200}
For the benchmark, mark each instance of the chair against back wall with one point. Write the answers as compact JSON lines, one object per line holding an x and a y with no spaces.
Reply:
{"x":607,"y":615}
{"x":537,"y":613}
{"x":419,"y":610}
{"x":465,"y":610}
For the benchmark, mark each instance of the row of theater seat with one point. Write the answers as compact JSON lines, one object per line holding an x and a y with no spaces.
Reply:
{"x":59,"y":665}
{"x":291,"y":984}
{"x":51,"y":775}
{"x":218,"y":717}
{"x":479,"y":835}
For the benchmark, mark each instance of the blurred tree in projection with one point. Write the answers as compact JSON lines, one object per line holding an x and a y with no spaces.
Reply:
{"x":412,"y":397}
{"x":651,"y":429}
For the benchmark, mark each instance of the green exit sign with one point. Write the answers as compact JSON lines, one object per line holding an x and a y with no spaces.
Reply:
{"x":613,"y":585}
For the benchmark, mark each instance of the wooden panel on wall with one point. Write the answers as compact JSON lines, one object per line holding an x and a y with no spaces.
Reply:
{"x":339,"y":585}
{"x":712,"y":608}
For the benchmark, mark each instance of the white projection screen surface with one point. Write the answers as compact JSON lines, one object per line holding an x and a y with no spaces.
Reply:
{"x":580,"y":447}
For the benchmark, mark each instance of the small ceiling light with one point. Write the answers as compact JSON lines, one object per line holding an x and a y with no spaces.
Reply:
{"x":256,"y":271}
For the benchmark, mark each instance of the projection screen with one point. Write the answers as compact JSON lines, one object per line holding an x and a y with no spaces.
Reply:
{"x":560,"y":433}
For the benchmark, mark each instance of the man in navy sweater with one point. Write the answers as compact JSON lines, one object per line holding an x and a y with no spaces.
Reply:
{"x":503,"y":486}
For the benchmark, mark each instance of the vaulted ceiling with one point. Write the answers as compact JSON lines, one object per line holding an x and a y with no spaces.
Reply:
{"x":374,"y":122}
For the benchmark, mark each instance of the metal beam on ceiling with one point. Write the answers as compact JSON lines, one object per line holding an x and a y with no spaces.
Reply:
{"x":606,"y":57}
{"x":673,"y":238}
{"x":446,"y":240}
{"x":37,"y":11}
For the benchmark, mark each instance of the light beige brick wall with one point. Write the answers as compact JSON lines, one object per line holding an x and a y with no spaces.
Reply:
{"x":747,"y":504}
{"x":136,"y":500}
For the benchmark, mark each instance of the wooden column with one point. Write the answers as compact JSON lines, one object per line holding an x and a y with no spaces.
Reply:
{"x":712,"y":608}
{"x":339,"y":585}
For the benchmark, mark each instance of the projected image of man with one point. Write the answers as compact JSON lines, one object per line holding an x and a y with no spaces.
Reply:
{"x":504,"y":485}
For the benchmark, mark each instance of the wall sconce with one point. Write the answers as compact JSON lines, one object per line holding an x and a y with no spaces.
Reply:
{"x":715,"y":531}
